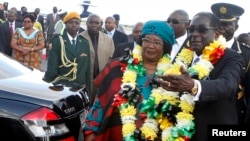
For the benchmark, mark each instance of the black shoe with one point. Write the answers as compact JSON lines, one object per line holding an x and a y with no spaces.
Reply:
{"x":56,"y":88}
{"x":74,"y":89}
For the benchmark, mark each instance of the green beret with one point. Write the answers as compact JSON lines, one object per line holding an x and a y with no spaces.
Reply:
{"x":161,"y":29}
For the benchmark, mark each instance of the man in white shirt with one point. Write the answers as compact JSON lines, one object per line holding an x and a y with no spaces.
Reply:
{"x":179,"y":20}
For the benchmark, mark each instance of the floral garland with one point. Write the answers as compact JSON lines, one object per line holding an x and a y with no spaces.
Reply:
{"x":165,"y":111}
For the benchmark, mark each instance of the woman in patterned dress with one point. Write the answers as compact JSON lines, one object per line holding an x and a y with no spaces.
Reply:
{"x":27,"y":43}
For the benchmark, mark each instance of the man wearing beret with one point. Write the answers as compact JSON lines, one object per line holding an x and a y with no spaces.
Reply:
{"x":229,"y":15}
{"x":69,"y":57}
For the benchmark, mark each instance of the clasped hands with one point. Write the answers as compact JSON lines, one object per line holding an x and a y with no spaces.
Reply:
{"x":177,"y":83}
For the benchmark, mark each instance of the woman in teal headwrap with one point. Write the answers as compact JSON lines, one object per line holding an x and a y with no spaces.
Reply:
{"x":103,"y":122}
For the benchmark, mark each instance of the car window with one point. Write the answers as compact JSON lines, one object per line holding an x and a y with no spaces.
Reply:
{"x":9,"y":67}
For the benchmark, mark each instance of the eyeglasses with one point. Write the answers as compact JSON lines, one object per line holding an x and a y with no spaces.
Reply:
{"x":175,"y":21}
{"x":147,"y":42}
{"x":199,"y":29}
{"x":26,"y":21}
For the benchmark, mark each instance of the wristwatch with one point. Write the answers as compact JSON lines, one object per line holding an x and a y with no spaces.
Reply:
{"x":194,"y":90}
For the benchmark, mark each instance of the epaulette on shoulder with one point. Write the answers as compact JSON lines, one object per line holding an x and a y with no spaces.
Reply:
{"x":245,"y":45}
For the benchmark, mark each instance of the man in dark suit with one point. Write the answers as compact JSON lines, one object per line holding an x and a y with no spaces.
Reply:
{"x":136,"y":32}
{"x":179,"y":20}
{"x":6,"y":32}
{"x":117,"y":36}
{"x":214,"y":96}
{"x":229,"y":15}
{"x":51,"y":20}
{"x":39,"y":18}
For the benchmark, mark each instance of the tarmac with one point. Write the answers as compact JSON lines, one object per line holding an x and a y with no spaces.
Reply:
{"x":44,"y":65}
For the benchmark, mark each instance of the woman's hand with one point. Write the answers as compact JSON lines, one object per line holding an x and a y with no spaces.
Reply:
{"x":25,"y":51}
{"x":90,"y":137}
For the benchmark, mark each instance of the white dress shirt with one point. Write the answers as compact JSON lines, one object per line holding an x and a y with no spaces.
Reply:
{"x":110,"y":33}
{"x":177,"y":46}
{"x":229,"y":43}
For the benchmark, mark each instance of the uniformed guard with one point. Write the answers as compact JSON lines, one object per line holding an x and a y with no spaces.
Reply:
{"x":229,"y":15}
{"x":69,"y":57}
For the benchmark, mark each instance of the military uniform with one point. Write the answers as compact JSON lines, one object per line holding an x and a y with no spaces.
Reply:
{"x":68,"y":65}
{"x":229,"y":13}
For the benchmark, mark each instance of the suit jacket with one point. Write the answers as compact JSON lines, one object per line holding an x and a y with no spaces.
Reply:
{"x":119,"y":37}
{"x":130,"y":38}
{"x":50,"y":23}
{"x":217,"y":101}
{"x":5,"y":37}
{"x":80,"y":54}
{"x":119,"y":50}
{"x":40,"y":19}
{"x":105,"y":52}
{"x":244,"y":110}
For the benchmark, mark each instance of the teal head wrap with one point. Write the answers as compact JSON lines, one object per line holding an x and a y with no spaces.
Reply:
{"x":161,"y":29}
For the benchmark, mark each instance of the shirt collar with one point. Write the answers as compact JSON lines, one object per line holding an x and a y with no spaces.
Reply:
{"x":180,"y":40}
{"x":230,"y":43}
{"x":70,"y":37}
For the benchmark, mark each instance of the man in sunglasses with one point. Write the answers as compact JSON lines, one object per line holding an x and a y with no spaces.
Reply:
{"x":229,"y":15}
{"x":214,"y":95}
{"x":179,"y":20}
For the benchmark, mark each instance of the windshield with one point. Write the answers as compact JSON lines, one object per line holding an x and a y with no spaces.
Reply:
{"x":9,"y":67}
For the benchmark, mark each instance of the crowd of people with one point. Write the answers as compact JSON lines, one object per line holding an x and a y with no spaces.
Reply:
{"x":167,"y":80}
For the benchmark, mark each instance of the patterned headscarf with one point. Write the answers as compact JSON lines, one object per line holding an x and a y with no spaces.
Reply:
{"x":161,"y":29}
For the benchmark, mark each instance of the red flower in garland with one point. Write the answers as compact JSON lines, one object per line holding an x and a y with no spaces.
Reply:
{"x":216,"y":55}
{"x":136,"y":61}
{"x":214,"y":52}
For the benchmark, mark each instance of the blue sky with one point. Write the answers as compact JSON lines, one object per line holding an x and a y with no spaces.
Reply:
{"x":132,"y":11}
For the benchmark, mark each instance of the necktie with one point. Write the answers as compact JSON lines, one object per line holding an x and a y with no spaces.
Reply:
{"x":11,"y":28}
{"x":196,"y":60}
{"x":74,"y":43}
{"x":54,"y":17}
{"x":110,"y":34}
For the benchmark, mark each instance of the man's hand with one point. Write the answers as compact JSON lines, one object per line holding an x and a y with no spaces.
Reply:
{"x":178,"y":83}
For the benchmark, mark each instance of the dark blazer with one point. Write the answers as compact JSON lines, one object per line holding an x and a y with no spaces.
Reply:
{"x":119,"y":50}
{"x":119,"y":37}
{"x":217,"y":101}
{"x":5,"y":36}
{"x":40,"y":19}
{"x":244,"y":102}
{"x":50,"y":23}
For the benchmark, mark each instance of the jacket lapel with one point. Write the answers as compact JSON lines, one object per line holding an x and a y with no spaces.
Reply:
{"x":184,"y":45}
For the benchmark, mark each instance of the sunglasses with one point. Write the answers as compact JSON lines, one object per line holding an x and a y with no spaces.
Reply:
{"x":175,"y":21}
{"x":199,"y":29}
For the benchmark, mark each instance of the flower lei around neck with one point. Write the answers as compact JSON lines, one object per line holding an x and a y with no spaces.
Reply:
{"x":165,"y":113}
